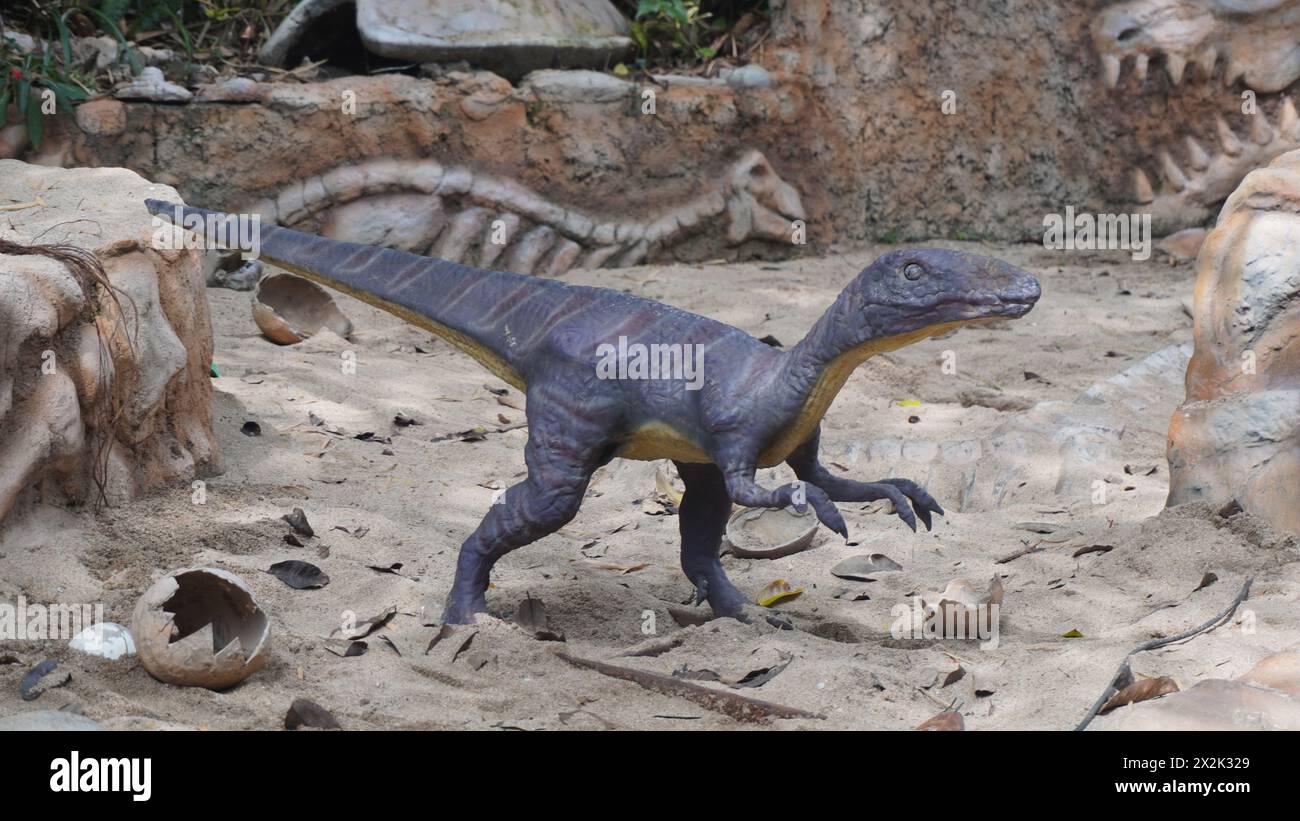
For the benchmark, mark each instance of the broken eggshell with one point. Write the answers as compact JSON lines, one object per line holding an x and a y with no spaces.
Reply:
{"x":963,"y":611}
{"x":289,"y":309}
{"x":201,"y":627}
{"x":770,"y":533}
{"x":106,"y":639}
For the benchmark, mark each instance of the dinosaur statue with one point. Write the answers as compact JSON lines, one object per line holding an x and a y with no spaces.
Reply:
{"x":755,"y":406}
{"x":449,"y":212}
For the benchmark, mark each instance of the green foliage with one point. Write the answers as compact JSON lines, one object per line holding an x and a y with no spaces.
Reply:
{"x":668,"y":29}
{"x":24,"y":79}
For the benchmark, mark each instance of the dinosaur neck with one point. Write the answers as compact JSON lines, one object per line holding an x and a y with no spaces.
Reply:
{"x":816,"y":369}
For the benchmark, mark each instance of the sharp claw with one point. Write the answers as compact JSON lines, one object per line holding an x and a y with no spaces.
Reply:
{"x":924,"y":514}
{"x":701,"y":591}
{"x":779,"y":623}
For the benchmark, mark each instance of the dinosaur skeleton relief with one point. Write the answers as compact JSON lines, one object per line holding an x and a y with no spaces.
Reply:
{"x":1191,"y":191}
{"x":1255,"y":41}
{"x":456,"y":214}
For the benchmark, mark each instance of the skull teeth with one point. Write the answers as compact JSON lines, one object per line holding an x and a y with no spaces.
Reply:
{"x":1174,"y":66}
{"x":1260,"y":131}
{"x":1110,"y":64}
{"x":1142,"y":191}
{"x":1231,"y":145}
{"x":1172,"y":173}
{"x":1196,"y":156}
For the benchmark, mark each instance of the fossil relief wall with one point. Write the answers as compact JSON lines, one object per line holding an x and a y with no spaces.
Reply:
{"x":883,"y":120}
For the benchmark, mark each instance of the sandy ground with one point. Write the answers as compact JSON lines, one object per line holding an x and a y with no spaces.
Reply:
{"x":413,"y":501}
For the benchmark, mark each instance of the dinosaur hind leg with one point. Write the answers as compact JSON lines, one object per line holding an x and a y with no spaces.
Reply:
{"x":702,"y":518}
{"x":562,"y":453}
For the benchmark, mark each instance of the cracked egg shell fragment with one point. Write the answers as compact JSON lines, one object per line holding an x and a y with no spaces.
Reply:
{"x":201,"y":627}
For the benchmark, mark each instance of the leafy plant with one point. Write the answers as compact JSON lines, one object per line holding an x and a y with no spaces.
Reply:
{"x":26,"y":78}
{"x":672,"y":28}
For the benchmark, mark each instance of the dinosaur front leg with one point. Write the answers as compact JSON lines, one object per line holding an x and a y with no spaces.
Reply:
{"x":738,"y":471}
{"x":702,"y":517}
{"x":906,"y":495}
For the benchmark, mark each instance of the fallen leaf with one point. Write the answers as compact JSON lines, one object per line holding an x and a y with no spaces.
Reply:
{"x":948,"y":720}
{"x":777,"y":591}
{"x":953,"y":676}
{"x":762,"y":675}
{"x":304,"y":713}
{"x":345,"y":648}
{"x":1141,"y":690}
{"x":41,"y":678}
{"x":443,"y":632}
{"x":299,"y":575}
{"x":298,"y":521}
{"x":365,"y":627}
{"x":1092,"y":548}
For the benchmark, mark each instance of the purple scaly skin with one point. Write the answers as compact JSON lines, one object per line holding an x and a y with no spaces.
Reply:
{"x":755,"y":406}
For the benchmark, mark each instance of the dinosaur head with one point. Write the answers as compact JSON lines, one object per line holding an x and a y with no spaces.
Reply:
{"x":1256,"y":39}
{"x":760,"y":205}
{"x":909,"y":294}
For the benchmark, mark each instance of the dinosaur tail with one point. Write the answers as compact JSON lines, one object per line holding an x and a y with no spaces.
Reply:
{"x":456,"y":302}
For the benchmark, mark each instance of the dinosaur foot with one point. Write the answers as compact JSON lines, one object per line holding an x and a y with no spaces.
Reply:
{"x":727,"y":602}
{"x":907,"y":497}
{"x":468,"y":610}
{"x":753,"y":614}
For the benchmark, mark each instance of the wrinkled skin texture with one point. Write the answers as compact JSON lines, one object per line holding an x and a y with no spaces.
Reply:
{"x":753,"y":405}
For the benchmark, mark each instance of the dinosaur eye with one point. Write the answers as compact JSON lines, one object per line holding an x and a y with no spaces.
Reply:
{"x":913,"y":271}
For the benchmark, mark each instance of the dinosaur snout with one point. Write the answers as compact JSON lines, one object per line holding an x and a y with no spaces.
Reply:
{"x":1020,"y":292}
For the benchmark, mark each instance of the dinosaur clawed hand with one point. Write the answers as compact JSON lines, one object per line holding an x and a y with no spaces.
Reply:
{"x":822,"y":505}
{"x":910,"y":501}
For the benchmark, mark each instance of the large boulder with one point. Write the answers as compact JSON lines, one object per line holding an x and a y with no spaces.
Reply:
{"x":1267,"y":697}
{"x":1237,"y":435}
{"x":102,"y":389}
{"x":510,"y":38}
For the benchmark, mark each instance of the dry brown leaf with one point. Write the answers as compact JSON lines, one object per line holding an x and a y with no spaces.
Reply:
{"x":948,"y":720}
{"x":1141,"y":690}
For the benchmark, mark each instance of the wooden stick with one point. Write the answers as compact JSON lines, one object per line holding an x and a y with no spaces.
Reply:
{"x":1111,"y":689}
{"x":720,"y":701}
